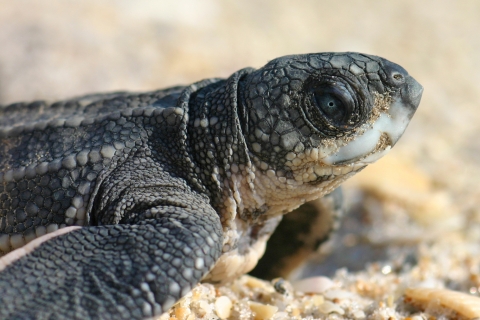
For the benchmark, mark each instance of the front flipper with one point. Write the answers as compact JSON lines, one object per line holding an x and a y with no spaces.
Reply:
{"x":114,"y":271}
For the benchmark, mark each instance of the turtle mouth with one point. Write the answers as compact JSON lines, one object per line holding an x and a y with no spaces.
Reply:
{"x":391,"y":114}
{"x":330,"y":173}
{"x":377,"y":140}
{"x":383,"y":146}
{"x":327,"y":171}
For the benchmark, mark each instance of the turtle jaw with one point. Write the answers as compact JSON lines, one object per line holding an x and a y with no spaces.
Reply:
{"x":386,"y":129}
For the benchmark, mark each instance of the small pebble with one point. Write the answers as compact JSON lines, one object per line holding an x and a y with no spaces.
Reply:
{"x":282,"y":286}
{"x":203,"y":308}
{"x":313,"y":284}
{"x":317,"y":300}
{"x":330,"y":307}
{"x":280,"y":316}
{"x":295,"y":312}
{"x":223,"y":307}
{"x":254,"y":282}
{"x":337,"y":294}
{"x":358,"y":314}
{"x":181,"y":313}
{"x":262,"y":311}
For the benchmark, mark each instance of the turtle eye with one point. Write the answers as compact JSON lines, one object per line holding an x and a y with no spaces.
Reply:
{"x":335,"y":104}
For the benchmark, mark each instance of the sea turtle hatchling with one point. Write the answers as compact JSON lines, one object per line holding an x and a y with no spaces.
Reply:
{"x":132,"y":199}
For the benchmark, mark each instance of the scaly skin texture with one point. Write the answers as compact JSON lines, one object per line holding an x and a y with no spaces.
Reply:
{"x":180,"y":185}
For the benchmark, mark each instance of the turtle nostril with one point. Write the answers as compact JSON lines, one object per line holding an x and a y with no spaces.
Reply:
{"x":398,"y":77}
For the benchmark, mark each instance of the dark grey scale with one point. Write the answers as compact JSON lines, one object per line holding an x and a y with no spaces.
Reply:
{"x":157,"y":181}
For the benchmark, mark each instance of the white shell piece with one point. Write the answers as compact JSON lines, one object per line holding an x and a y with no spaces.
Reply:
{"x":462,"y":303}
{"x":313,"y":284}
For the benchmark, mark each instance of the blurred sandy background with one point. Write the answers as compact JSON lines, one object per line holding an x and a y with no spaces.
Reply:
{"x":58,"y":48}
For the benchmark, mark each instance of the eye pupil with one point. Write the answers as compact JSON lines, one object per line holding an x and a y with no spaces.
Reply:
{"x":330,"y":105}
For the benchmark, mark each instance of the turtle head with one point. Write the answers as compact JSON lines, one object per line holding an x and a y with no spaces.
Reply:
{"x":317,"y":117}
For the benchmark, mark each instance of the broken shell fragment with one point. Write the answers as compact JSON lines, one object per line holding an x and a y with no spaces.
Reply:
{"x":262,"y":311}
{"x":464,"y":304}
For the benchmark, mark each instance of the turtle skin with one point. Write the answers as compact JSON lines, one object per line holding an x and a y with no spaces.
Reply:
{"x":161,"y":190}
